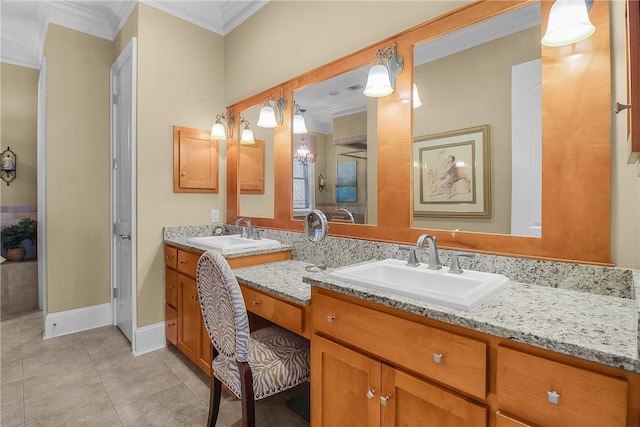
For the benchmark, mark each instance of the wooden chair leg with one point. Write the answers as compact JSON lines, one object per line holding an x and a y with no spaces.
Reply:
{"x":215,"y":393}
{"x":248,"y":401}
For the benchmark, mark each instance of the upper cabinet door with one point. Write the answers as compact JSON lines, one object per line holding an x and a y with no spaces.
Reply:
{"x":252,"y":168}
{"x":195,"y":161}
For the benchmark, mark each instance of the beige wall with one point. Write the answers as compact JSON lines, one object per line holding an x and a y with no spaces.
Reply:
{"x":128,"y":30}
{"x":18,"y":130}
{"x":78,"y":231}
{"x":180,"y":82}
{"x":456,"y":92}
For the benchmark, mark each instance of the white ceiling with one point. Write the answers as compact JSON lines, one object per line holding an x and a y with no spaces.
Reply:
{"x":24,"y":22}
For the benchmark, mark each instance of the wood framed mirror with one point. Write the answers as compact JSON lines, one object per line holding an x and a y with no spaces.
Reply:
{"x":576,"y":151}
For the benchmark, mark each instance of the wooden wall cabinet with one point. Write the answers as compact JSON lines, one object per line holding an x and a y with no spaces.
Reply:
{"x":633,"y":78}
{"x":195,"y":161}
{"x":251,"y":174}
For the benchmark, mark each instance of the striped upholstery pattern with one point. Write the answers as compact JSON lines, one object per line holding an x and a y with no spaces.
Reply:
{"x":278,"y":358}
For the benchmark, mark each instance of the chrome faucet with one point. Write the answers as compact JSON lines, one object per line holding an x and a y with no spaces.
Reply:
{"x":434,"y":260}
{"x":247,"y":230}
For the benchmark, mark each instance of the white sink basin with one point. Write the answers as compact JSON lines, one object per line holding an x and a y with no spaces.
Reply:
{"x":463,"y":291}
{"x":233,"y":243}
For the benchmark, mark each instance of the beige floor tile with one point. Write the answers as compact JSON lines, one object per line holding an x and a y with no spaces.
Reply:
{"x":124,"y":362}
{"x":107,"y":419}
{"x":10,"y":370}
{"x":38,"y":366}
{"x":68,"y":375}
{"x":194,"y":379}
{"x":29,"y":333}
{"x":11,"y":395}
{"x":59,"y":348}
{"x":172,"y":407}
{"x":143,"y":382}
{"x":10,"y":344}
{"x":80,"y":404}
{"x":199,"y":421}
{"x":105,"y":344}
{"x":13,"y":417}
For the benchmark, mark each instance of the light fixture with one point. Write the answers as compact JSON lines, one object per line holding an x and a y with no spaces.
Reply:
{"x":568,"y":23}
{"x":267,"y":118}
{"x":299,"y":126}
{"x":218,"y":129}
{"x":382,"y":76}
{"x":246,"y":138}
{"x":321,"y":183}
{"x":416,"y":97}
{"x":303,"y":155}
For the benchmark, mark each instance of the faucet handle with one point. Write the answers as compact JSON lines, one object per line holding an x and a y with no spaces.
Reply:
{"x":455,"y":266}
{"x":256,"y":233}
{"x":244,"y":233}
{"x":413,"y":259}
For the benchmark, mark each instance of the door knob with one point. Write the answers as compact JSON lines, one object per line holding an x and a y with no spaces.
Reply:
{"x":125,"y":236}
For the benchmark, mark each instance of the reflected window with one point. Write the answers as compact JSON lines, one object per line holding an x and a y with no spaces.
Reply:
{"x":303,"y":190}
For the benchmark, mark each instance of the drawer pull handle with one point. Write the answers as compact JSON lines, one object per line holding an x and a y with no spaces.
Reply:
{"x":371,"y":394}
{"x":171,"y":286}
{"x":194,"y":297}
{"x":169,"y":256}
{"x":330,"y":319}
{"x":384,"y":400}
{"x":255,"y":303}
{"x":554,"y":397}
{"x":183,"y":262}
{"x":437,"y":357}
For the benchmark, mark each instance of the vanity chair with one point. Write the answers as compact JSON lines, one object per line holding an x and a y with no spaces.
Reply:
{"x":252,"y":365}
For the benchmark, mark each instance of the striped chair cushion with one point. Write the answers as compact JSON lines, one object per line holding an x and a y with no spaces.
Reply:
{"x":278,"y":359}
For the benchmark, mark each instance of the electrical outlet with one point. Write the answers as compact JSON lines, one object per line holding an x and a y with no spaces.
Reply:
{"x":215,"y":215}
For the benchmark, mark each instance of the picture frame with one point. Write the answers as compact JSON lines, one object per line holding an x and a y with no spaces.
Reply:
{"x":452,"y":174}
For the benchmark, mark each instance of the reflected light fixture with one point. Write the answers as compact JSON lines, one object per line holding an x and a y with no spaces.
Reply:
{"x":382,"y":76}
{"x":218,"y":129}
{"x":267,"y":118}
{"x":303,"y":155}
{"x":299,"y":126}
{"x":416,"y":97}
{"x":246,"y":137}
{"x":568,"y":23}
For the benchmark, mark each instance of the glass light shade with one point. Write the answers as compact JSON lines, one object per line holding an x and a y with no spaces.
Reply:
{"x":218,"y":132}
{"x":378,"y":82}
{"x":267,"y":118}
{"x":416,"y":97}
{"x":247,"y":137}
{"x":304,"y":155}
{"x":568,"y":23}
{"x":299,"y":126}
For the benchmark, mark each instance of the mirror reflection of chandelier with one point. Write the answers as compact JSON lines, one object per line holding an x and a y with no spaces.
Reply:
{"x":303,"y":155}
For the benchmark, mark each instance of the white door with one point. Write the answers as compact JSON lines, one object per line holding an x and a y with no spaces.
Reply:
{"x":42,"y":188}
{"x":526,"y":154}
{"x":123,"y":196}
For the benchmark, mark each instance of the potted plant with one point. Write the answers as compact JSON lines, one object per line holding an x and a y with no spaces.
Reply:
{"x":13,"y":236}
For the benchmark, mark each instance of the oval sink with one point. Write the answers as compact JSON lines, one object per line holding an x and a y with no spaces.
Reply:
{"x":233,"y":243}
{"x":463,"y":291}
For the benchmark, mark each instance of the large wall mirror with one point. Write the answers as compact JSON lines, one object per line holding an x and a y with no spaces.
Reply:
{"x":334,"y":155}
{"x":570,"y":218}
{"x":483,"y":75}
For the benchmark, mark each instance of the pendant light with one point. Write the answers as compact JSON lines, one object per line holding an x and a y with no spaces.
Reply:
{"x":299,"y":125}
{"x":568,"y":23}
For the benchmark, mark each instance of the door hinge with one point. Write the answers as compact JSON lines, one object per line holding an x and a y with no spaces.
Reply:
{"x":115,"y":163}
{"x":115,"y":292}
{"x":116,"y":99}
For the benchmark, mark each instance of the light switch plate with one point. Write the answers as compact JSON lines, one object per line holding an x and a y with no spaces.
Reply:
{"x":215,"y":215}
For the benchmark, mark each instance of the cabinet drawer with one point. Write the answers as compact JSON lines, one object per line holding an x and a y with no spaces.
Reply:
{"x":171,"y":283}
{"x":171,"y":257}
{"x":448,"y":358}
{"x":505,"y":420}
{"x":171,"y":324}
{"x":188,"y":263}
{"x":287,"y":315}
{"x":528,"y":385}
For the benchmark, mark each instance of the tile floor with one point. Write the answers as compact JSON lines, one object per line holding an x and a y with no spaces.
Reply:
{"x":91,"y":379}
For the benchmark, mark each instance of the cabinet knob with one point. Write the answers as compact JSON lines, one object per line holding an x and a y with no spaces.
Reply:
{"x":171,"y":286}
{"x":169,"y":256}
{"x":371,"y":394}
{"x":384,"y":400}
{"x":330,"y":319}
{"x":183,"y":174}
{"x":553,"y":397}
{"x":194,"y":297}
{"x":183,"y":262}
{"x":621,"y":107}
{"x":255,"y":303}
{"x":437,"y":357}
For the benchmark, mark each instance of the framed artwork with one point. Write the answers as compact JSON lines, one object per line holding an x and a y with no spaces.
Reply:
{"x":452,"y":174}
{"x":347,"y":182}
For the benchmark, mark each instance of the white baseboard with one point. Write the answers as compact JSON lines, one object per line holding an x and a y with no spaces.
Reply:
{"x":80,"y":319}
{"x":149,"y":338}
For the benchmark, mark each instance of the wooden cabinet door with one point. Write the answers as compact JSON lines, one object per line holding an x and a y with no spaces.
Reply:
{"x":206,"y":353}
{"x":171,"y":325}
{"x":345,"y":386}
{"x":633,"y":78}
{"x":251,"y":174}
{"x":195,"y":161}
{"x":189,"y":318}
{"x":409,"y":401}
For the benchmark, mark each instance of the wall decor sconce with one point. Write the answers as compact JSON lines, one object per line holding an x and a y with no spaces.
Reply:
{"x":382,"y":76}
{"x":568,"y":23}
{"x":299,"y":125}
{"x":267,"y":118}
{"x":218,"y":130}
{"x":246,"y":137}
{"x":321,"y":183}
{"x":416,"y":97}
{"x":8,"y":166}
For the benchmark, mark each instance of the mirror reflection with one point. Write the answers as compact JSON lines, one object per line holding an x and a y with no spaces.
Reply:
{"x":480,"y":92}
{"x":256,"y":166}
{"x":335,"y":160}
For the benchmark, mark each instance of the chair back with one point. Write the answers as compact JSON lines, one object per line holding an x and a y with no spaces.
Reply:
{"x":223,"y":310}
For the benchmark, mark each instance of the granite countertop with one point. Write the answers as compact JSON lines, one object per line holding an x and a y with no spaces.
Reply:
{"x":283,"y":278}
{"x":183,"y":242}
{"x":598,"y":328}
